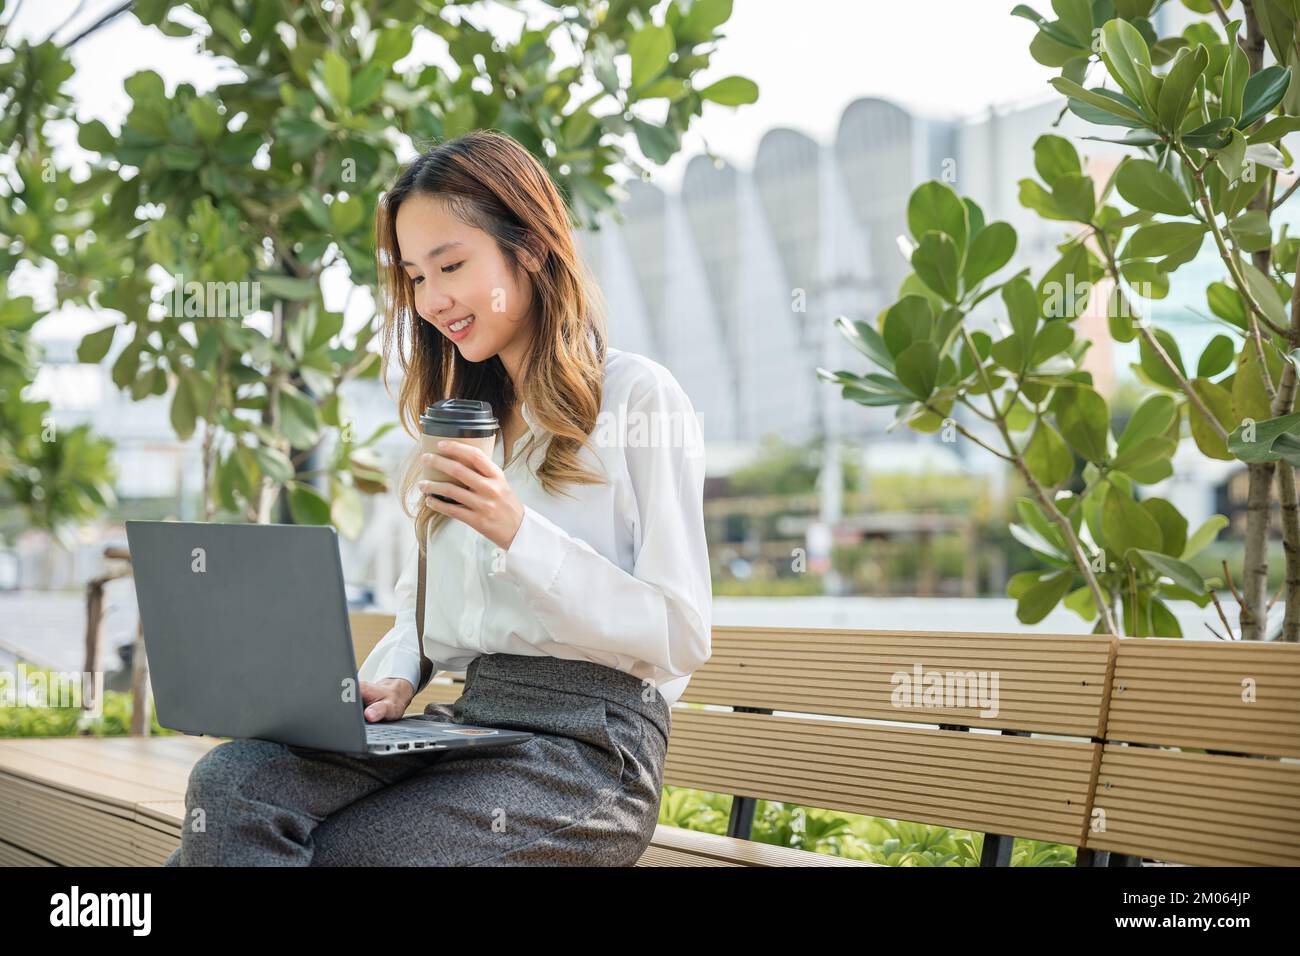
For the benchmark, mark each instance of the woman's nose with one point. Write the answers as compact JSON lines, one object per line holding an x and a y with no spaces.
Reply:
{"x":432,"y":305}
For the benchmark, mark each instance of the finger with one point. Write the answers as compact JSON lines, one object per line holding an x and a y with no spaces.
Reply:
{"x":458,"y":471}
{"x":451,"y":490}
{"x":449,"y":508}
{"x":370,"y":692}
{"x":379,"y":710}
{"x":472,"y":456}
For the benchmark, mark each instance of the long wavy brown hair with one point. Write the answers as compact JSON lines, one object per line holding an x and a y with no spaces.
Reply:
{"x":492,"y":182}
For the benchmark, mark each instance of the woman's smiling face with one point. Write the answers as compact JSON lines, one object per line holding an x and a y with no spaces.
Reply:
{"x":458,"y":270}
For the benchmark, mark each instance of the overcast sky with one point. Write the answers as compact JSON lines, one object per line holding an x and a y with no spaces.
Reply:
{"x":810,"y":59}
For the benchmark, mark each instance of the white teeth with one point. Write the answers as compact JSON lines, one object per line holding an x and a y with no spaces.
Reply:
{"x":457,"y":326}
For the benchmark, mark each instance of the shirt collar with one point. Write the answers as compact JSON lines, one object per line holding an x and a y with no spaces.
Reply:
{"x":530,"y":420}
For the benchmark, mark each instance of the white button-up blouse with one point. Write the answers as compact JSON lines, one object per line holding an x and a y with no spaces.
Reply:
{"x":617,"y":574}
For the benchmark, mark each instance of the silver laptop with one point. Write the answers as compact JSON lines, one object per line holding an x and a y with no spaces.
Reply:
{"x":246,"y":628}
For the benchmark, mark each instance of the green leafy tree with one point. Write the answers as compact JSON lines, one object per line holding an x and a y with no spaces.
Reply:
{"x":205,"y":207}
{"x":52,"y":479}
{"x":1203,"y":117}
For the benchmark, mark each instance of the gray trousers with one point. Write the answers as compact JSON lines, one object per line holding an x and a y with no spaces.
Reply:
{"x":583,"y":792}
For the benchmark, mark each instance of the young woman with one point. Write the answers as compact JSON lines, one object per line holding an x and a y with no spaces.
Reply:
{"x":570,"y":581}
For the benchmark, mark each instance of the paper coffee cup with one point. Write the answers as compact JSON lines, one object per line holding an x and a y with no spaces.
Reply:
{"x":458,"y":419}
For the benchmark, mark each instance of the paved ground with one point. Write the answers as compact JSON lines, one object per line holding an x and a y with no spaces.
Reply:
{"x":48,"y":628}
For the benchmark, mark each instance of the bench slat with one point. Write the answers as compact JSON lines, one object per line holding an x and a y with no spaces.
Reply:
{"x":1189,"y":694}
{"x":1197,"y":808}
{"x":983,"y":782}
{"x":1046,"y":683}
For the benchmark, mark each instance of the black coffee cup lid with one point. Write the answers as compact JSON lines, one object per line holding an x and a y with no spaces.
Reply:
{"x":457,"y":411}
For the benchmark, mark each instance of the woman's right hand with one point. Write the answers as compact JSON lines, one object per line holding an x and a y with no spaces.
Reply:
{"x":386,"y":699}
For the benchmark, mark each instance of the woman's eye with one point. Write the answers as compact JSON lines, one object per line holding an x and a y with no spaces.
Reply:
{"x":453,"y":267}
{"x":417,"y":280}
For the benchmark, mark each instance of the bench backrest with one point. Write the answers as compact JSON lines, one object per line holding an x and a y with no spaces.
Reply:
{"x":991,"y":779}
{"x":795,"y":715}
{"x":1238,"y":802}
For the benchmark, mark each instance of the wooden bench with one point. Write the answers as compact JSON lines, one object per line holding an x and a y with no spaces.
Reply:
{"x":1072,"y":754}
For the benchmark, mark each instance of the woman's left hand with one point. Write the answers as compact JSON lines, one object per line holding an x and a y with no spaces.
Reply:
{"x":487,"y":502}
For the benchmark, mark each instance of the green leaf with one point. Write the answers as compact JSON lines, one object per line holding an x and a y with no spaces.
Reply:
{"x":1218,"y":355}
{"x":866,"y":340}
{"x":338,"y":78}
{"x":1075,"y":196}
{"x":1128,"y":59}
{"x":917,"y":368}
{"x":1203,"y":536}
{"x":1212,"y":135}
{"x":1225,"y":302}
{"x":1274,"y":129}
{"x":1249,"y":393}
{"x":182,"y":410}
{"x":298,"y":421}
{"x":1232,"y":156}
{"x":936,"y":205}
{"x":1038,"y":601}
{"x":95,"y":136}
{"x":1252,"y":231}
{"x":1054,"y":157}
{"x":1144,"y":278}
{"x":287,"y":287}
{"x":1084,"y":421}
{"x":95,"y":346}
{"x":1154,"y":366}
{"x":1173,"y":526}
{"x":1081,"y":603}
{"x":367,"y":85}
{"x":1052,"y":339}
{"x":990,"y":250}
{"x":1139,"y":460}
{"x":1265,"y":293}
{"x":1264,"y":90}
{"x":936,"y":261}
{"x":1183,"y":575}
{"x":1256,"y":441}
{"x":346,"y":215}
{"x":274,"y":463}
{"x":703,"y":17}
{"x":1022,"y":308}
{"x":658,"y":143}
{"x":1150,"y":419}
{"x":347,"y":512}
{"x":1047,"y":456}
{"x":1163,"y":238}
{"x":908,"y":320}
{"x":731,"y":91}
{"x":649,"y":48}
{"x":307,"y":505}
{"x":392,"y":44}
{"x":1146,"y":186}
{"x":1219,"y":401}
{"x":1180,"y":83}
{"x":1125,"y":524}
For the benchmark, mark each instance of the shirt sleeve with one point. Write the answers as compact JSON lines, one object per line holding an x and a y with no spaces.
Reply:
{"x":397,"y":654}
{"x":661,"y":611}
